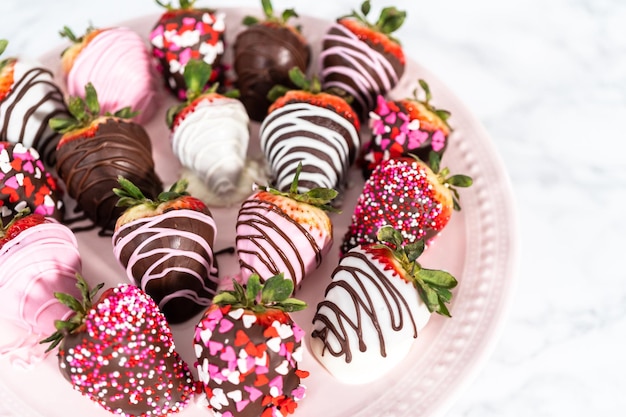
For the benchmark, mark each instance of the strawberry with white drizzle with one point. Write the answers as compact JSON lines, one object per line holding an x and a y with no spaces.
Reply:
{"x":166,"y":247}
{"x":210,"y":135}
{"x":286,"y":232}
{"x":29,"y":98}
{"x":248,"y":349}
{"x":379,"y":300}
{"x":38,"y":256}
{"x":118,"y":351}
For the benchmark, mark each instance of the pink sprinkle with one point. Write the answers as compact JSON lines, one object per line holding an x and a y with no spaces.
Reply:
{"x":225,"y":326}
{"x":229,"y":355}
{"x":277,"y":382}
{"x":254,"y":393}
{"x":215,"y":347}
{"x":184,"y":56}
{"x":158,"y":31}
{"x":298,"y":333}
{"x":241,"y":405}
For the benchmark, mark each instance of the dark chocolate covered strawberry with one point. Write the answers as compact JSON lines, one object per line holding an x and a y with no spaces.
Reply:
{"x":362,"y":58}
{"x":315,"y":128}
{"x":379,"y":299}
{"x":407,"y":126}
{"x":26,"y":182}
{"x":183,"y":33}
{"x":248,"y":349}
{"x":287,"y":232}
{"x":95,"y":150}
{"x":118,"y":351}
{"x":166,"y":247}
{"x":416,"y":198}
{"x":29,"y":98}
{"x":264,"y":53}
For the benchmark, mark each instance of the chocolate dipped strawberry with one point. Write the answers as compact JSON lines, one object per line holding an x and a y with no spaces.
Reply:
{"x":29,"y":98}
{"x":184,"y":33}
{"x":38,"y":256}
{"x":406,"y":193}
{"x":379,"y":300}
{"x":264,"y":53}
{"x":210,"y":135}
{"x":312,"y":127}
{"x":284,"y":232}
{"x":166,"y":248}
{"x":362,"y":58}
{"x":408,"y":126}
{"x":118,"y":351}
{"x":25,"y":182}
{"x":117,"y":62}
{"x":97,"y":148}
{"x":248,"y":349}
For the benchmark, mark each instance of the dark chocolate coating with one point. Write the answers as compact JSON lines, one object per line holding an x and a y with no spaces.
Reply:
{"x":90,"y":168}
{"x":264,"y":55}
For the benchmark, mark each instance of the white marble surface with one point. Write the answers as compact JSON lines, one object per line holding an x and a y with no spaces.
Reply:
{"x":548,"y":81}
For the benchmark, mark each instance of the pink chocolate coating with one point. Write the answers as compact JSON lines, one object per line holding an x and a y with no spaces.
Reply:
{"x":118,"y":64}
{"x":40,"y":261}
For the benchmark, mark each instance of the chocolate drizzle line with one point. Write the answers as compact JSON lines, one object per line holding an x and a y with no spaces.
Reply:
{"x":45,"y":139}
{"x":364,"y":307}
{"x":254,"y":209}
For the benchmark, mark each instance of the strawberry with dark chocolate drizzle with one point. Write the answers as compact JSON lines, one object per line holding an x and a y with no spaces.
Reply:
{"x":362,"y":58}
{"x":312,"y":127}
{"x":94,"y":150}
{"x":171,"y":47}
{"x":264,"y":54}
{"x":248,"y":349}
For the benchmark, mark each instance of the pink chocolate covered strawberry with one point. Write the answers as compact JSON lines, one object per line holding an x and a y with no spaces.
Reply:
{"x":118,"y":351}
{"x":186,"y":33}
{"x":166,"y":247}
{"x":248,"y":349}
{"x":117,"y":62}
{"x":284,"y":232}
{"x":29,"y":98}
{"x":25,"y":182}
{"x":210,"y":135}
{"x":38,"y":256}
{"x":362,"y":58}
{"x":94,"y":150}
{"x":264,"y":54}
{"x":407,"y":194}
{"x":403,"y":127}
{"x":312,"y":127}
{"x":379,"y":299}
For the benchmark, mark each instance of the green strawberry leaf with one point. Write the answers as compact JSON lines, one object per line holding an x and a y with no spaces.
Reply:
{"x":460,"y":180}
{"x":437,"y":278}
{"x":268,"y":9}
{"x":366,"y":7}
{"x":293,"y":304}
{"x":250,"y":20}
{"x":91,"y":99}
{"x":288,"y":14}
{"x":390,"y":20}
{"x":225,"y":297}
{"x":253,"y":287}
{"x":276,"y":289}
{"x":197,"y":74}
{"x":3,"y":45}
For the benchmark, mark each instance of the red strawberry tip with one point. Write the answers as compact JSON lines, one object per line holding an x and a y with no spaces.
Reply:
{"x":21,"y":221}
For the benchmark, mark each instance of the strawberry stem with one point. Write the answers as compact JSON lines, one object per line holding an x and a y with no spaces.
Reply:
{"x":268,"y":11}
{"x":433,"y":286}
{"x":389,"y":21}
{"x":274,"y":293}
{"x":130,"y":195}
{"x":79,"y":307}
{"x":317,"y":197}
{"x":183,"y":5}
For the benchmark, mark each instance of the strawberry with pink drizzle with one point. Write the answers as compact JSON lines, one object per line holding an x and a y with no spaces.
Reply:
{"x":25,"y":182}
{"x":362,"y":58}
{"x":184,"y":33}
{"x":166,"y":248}
{"x":29,"y":98}
{"x":117,"y":62}
{"x":248,"y":349}
{"x":38,"y":256}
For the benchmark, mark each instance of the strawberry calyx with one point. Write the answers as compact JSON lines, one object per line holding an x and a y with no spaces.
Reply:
{"x":197,"y":75}
{"x":451,"y":182}
{"x":425,"y":112}
{"x":317,"y":197}
{"x":20,"y":222}
{"x":272,"y":19}
{"x":3,"y":46}
{"x":273,"y":295}
{"x":182,"y":5}
{"x":70,"y":53}
{"x":433,"y":286}
{"x":84,"y":111}
{"x":310,"y":91}
{"x":80,"y":308}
